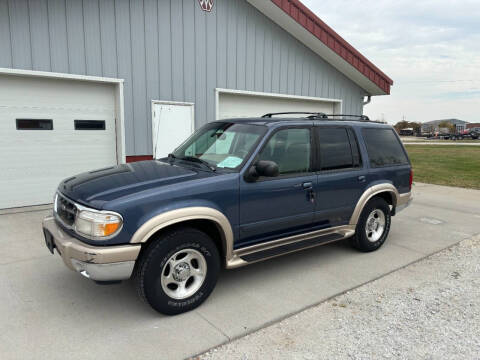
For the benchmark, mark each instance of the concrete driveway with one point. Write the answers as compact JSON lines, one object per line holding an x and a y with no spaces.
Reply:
{"x":47,"y":311}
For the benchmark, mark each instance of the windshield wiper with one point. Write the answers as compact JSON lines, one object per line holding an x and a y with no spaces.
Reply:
{"x":200,"y":161}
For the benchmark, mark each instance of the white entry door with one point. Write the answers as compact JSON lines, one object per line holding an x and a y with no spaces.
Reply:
{"x":172,"y":124}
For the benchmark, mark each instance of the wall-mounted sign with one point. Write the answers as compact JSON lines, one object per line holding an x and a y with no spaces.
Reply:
{"x":206,"y":5}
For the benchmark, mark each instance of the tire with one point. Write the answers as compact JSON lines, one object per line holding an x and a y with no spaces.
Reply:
{"x":178,"y":271}
{"x":365,"y":240}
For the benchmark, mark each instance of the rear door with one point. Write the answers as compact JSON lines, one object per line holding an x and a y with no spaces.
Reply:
{"x":341,"y":175}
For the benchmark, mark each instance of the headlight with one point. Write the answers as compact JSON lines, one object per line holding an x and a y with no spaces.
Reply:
{"x":97,"y":225}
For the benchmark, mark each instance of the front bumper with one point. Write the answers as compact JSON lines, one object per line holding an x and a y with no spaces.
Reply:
{"x":99,"y":263}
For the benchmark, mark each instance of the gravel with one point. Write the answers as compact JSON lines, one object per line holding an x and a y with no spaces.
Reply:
{"x":428,"y":310}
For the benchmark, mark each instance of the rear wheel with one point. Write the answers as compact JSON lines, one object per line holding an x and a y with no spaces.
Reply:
{"x":373,"y":226}
{"x":178,"y":271}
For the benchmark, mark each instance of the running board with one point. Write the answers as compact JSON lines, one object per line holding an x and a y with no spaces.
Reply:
{"x":271,"y":249}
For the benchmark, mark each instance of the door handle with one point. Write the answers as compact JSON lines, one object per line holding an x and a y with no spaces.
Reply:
{"x":362,"y":178}
{"x":307,"y":185}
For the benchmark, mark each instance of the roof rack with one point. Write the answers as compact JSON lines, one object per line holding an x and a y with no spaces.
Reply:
{"x":360,"y":117}
{"x":321,"y":116}
{"x":316,"y":114}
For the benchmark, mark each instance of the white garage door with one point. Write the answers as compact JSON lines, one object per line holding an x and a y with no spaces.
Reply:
{"x":51,"y":129}
{"x":238,"y":105}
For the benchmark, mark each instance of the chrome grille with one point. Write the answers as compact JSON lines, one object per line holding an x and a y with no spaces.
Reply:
{"x":65,"y":210}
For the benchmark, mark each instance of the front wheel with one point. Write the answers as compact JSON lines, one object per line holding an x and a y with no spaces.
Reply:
{"x":373,"y":226}
{"x":178,"y":271}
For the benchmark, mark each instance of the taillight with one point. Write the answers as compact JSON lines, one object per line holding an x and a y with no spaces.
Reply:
{"x":411,"y":179}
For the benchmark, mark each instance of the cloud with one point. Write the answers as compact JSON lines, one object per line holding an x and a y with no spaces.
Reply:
{"x":430,"y":48}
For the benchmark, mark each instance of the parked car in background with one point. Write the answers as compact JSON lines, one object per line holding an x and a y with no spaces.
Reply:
{"x":407,"y":132}
{"x":236,"y":192}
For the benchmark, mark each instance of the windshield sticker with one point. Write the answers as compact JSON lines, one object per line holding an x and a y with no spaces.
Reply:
{"x":230,"y":162}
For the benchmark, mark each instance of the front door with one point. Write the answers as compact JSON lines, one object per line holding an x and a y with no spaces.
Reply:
{"x":172,"y":124}
{"x":284,"y":205}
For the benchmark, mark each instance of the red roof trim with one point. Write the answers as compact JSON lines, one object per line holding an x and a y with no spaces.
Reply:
{"x":312,"y":23}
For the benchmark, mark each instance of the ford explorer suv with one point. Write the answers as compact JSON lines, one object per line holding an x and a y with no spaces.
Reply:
{"x":236,"y":192}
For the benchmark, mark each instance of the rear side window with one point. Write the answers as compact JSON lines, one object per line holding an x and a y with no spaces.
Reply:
{"x":338,"y":148}
{"x":383,"y":147}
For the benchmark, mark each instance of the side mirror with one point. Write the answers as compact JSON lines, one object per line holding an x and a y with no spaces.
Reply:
{"x":262,"y":168}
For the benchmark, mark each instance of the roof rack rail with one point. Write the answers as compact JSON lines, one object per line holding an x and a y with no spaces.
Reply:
{"x":314,"y":114}
{"x":360,"y":117}
{"x":322,"y":116}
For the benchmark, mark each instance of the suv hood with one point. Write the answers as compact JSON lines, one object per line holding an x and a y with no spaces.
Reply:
{"x":96,"y":187}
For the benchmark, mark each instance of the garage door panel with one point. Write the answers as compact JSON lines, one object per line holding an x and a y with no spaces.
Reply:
{"x":33,"y":162}
{"x":234,"y":105}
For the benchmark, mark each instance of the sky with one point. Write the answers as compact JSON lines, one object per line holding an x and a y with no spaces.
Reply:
{"x":430,"y":48}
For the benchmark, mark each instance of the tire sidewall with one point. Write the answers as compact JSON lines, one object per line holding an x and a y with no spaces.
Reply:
{"x":363,"y":242}
{"x":152,"y":270}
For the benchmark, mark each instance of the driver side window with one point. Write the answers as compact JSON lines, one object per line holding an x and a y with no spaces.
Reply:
{"x":290,"y":149}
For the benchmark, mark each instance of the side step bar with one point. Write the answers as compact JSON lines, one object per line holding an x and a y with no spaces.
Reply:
{"x":274,"y":248}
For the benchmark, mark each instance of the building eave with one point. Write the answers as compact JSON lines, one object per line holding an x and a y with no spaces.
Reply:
{"x":305,"y":26}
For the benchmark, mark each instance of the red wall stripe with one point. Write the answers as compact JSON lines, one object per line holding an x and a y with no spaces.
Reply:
{"x":135,"y":158}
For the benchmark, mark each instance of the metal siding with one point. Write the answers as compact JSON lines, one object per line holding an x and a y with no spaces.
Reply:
{"x":5,"y":43}
{"x":231,"y":30}
{"x":124,"y":61}
{"x":259,"y":51}
{"x":151,"y":62}
{"x":221,"y":35}
{"x":139,"y":89}
{"x":93,"y":48}
{"x":268,"y":59}
{"x":75,"y":37}
{"x":57,"y":25}
{"x":167,"y":50}
{"x":211,"y":68}
{"x":176,"y":31}
{"x":20,"y":33}
{"x":109,"y":38}
{"x":250,"y":63}
{"x":39,"y":38}
{"x":201,"y":55}
{"x":189,"y":55}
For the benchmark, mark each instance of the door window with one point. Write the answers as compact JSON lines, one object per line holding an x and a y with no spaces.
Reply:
{"x":290,"y":149}
{"x":338,"y":149}
{"x":34,"y":124}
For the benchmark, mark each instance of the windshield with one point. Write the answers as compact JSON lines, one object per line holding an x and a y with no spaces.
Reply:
{"x":221,"y":144}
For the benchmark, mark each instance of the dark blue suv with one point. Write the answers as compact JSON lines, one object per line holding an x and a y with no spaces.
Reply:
{"x":236,"y":192}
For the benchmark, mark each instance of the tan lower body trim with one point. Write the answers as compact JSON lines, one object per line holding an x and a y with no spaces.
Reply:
{"x":345,"y":232}
{"x":368,"y":194}
{"x":404,"y":198}
{"x":71,"y":248}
